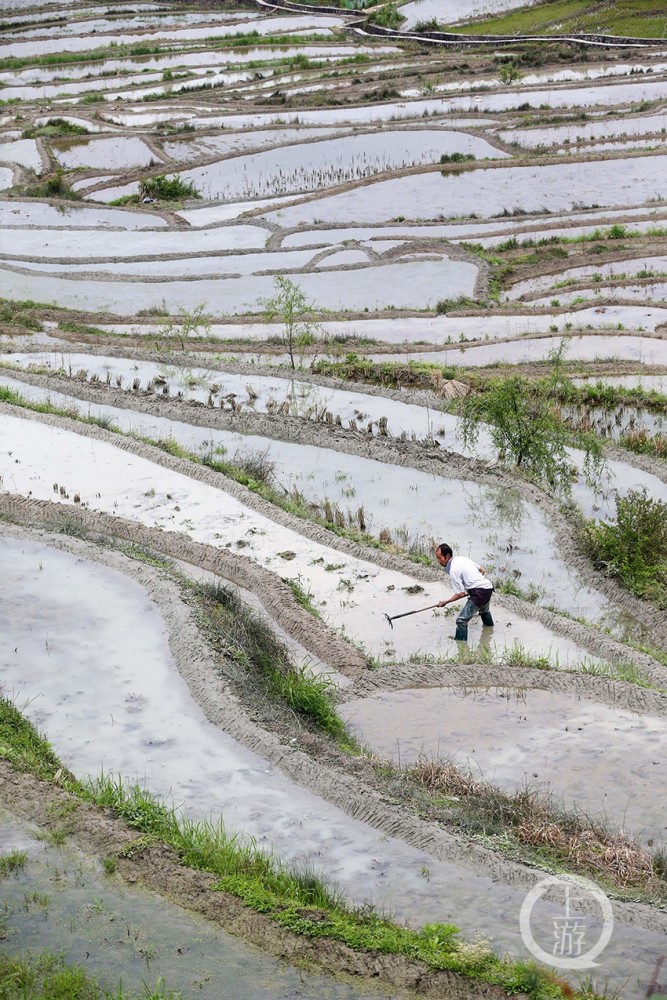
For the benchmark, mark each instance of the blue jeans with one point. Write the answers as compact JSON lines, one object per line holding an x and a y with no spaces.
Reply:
{"x":469,"y":611}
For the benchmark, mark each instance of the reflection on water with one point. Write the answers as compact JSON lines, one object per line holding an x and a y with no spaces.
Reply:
{"x":61,"y":902}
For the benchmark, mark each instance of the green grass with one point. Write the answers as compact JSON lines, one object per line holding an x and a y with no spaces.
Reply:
{"x":11,"y":862}
{"x":54,"y":186}
{"x":634,"y":18}
{"x":53,"y":128}
{"x":47,"y":977}
{"x":24,"y":748}
{"x":296,"y":898}
{"x":302,"y":902}
{"x":239,"y":632}
{"x":120,"y":51}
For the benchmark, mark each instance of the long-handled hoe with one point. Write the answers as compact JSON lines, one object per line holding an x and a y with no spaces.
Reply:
{"x":418,"y":611}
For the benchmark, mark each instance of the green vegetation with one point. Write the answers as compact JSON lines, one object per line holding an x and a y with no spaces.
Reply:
{"x":187,"y":326}
{"x":509,"y":73}
{"x":46,"y":977}
{"x":633,"y":547}
{"x":526,"y":428}
{"x":239,"y":632}
{"x":387,"y":16}
{"x":290,"y":306}
{"x":630,"y":18}
{"x":24,"y":748}
{"x":457,"y":157}
{"x":11,"y":862}
{"x":54,"y":127}
{"x":303,"y":598}
{"x":302,"y":903}
{"x":354,"y":368}
{"x":162,"y":188}
{"x":21,"y":314}
{"x":53,"y":186}
{"x":296,"y":898}
{"x":116,"y":51}
{"x":15,"y":399}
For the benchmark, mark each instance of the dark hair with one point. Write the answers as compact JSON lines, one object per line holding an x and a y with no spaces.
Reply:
{"x":444,"y":549}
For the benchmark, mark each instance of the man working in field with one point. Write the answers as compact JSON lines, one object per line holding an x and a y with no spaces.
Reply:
{"x":468,"y":580}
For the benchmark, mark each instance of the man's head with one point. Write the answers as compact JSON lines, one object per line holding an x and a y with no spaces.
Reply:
{"x":443,"y":553}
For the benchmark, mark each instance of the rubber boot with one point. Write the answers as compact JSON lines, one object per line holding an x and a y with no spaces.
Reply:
{"x":487,"y":619}
{"x":461,"y":633}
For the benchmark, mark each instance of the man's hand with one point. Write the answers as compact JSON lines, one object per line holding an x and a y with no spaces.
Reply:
{"x":442,"y":604}
{"x":482,"y":570}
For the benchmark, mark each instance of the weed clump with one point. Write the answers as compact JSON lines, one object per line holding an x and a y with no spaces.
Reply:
{"x":534,"y":821}
{"x":457,"y":157}
{"x":163,"y":188}
{"x":54,"y":127}
{"x":633,"y":547}
{"x":53,"y":186}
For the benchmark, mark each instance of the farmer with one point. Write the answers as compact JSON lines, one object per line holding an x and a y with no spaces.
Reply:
{"x":468,"y":580}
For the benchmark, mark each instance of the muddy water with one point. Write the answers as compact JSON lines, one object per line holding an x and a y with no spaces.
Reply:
{"x":451,"y":330}
{"x":553,"y":188}
{"x":318,"y":24}
{"x":117,"y":932}
{"x":62,"y":607}
{"x":304,"y":399}
{"x":23,"y":151}
{"x":33,"y":75}
{"x":226,"y":145}
{"x":409,"y":285}
{"x":630,"y":266}
{"x":647,"y":351}
{"x":104,"y":154}
{"x":87,"y":245}
{"x":472,"y":231}
{"x":329,"y":162}
{"x":16,"y":213}
{"x":649,"y":293}
{"x":651,"y":383}
{"x":514,"y":531}
{"x":604,"y":761}
{"x":585,"y":131}
{"x":349,"y":597}
{"x":457,"y":10}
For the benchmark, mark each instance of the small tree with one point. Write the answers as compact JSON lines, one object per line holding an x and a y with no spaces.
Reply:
{"x":527,"y":429}
{"x":188,"y":324}
{"x":509,"y":73}
{"x":290,"y":305}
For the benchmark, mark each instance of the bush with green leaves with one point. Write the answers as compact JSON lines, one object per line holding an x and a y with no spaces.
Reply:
{"x":457,"y":157}
{"x":633,"y":547}
{"x":163,"y":188}
{"x":527,"y":430}
{"x":387,"y":16}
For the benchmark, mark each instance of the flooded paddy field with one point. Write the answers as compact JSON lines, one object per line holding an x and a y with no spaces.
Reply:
{"x":528,"y":737}
{"x":62,"y":902}
{"x":255,"y":269}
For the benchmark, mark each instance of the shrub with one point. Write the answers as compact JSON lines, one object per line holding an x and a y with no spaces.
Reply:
{"x":456,"y":157}
{"x":634,"y":546}
{"x":54,"y":127}
{"x":387,"y":16}
{"x":163,"y":188}
{"x":526,"y":428}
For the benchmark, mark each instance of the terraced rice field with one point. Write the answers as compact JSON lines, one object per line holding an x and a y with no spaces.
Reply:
{"x":440,"y":225}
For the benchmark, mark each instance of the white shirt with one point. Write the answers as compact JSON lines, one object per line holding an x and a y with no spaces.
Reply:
{"x":465,"y":575}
